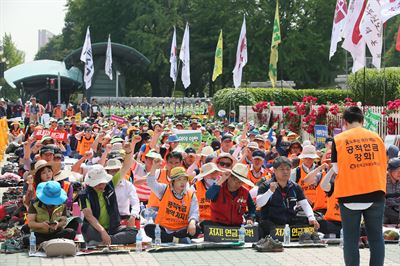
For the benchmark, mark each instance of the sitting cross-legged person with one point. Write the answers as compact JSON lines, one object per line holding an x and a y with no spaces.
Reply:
{"x":100,"y":207}
{"x":178,"y":213}
{"x":47,"y":214}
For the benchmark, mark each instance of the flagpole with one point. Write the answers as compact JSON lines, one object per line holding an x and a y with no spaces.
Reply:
{"x":384,"y":66}
{"x":173,"y":90}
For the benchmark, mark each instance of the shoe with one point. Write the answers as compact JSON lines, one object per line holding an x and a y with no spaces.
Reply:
{"x":270,"y":245}
{"x":315,"y":238}
{"x":260,"y":242}
{"x":305,"y":238}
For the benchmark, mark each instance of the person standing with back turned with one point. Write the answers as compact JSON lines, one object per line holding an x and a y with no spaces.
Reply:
{"x":359,"y":159}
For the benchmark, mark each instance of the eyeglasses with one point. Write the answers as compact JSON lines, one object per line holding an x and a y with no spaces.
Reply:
{"x":224,"y":164}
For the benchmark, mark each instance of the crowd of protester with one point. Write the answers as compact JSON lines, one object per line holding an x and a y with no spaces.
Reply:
{"x":238,"y":174}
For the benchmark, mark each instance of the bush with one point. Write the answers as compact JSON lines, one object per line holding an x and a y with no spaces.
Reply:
{"x":236,"y":97}
{"x":375,"y":93}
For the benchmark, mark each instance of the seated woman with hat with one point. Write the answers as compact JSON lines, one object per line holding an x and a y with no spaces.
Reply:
{"x":178,"y":212}
{"x":47,"y":214}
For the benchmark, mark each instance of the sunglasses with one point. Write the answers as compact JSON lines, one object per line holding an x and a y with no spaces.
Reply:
{"x":224,"y":164}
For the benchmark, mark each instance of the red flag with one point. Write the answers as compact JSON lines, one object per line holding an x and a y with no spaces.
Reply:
{"x":398,"y":40}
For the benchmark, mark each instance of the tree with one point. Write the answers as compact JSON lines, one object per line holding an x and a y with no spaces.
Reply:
{"x":12,"y":57}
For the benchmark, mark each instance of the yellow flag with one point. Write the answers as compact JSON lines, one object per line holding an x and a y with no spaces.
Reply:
{"x":78,"y":118}
{"x":218,"y":58}
{"x":276,"y":40}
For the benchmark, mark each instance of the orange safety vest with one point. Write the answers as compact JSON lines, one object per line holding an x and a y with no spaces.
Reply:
{"x":66,"y":186}
{"x":320,"y":197}
{"x":153,"y":201}
{"x":146,"y":150}
{"x":332,"y":210}
{"x":309,"y":191}
{"x":84,"y":145}
{"x":361,"y":162}
{"x":173,"y":213}
{"x":204,"y":203}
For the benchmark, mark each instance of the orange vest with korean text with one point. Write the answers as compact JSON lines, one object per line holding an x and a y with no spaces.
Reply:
{"x":361,"y":162}
{"x":309,"y":191}
{"x":332,"y":210}
{"x":204,"y":203}
{"x":84,"y":145}
{"x":173,"y":213}
{"x":154,"y":202}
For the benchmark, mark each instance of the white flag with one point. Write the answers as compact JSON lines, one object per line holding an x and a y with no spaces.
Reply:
{"x":390,"y":8}
{"x":372,"y":30}
{"x":184,"y":56}
{"x":241,"y":56}
{"x":338,"y":25}
{"x":173,"y":59}
{"x":353,"y":40}
{"x":87,"y":58}
{"x":108,"y":65}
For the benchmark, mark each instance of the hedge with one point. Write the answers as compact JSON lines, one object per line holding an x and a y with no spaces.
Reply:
{"x":225,"y":98}
{"x":375,"y":84}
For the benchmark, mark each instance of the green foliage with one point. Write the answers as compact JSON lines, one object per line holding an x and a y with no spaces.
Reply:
{"x":12,"y":57}
{"x":53,"y":50}
{"x":380,"y":86}
{"x":232,"y":98}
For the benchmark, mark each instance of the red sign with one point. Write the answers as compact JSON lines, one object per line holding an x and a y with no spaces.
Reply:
{"x":118,"y":119}
{"x":54,"y":134}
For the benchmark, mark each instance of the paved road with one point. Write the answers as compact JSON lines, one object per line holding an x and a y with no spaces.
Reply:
{"x":311,"y":256}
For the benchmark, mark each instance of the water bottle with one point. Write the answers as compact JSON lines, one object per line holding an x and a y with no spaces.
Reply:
{"x":139,"y":242}
{"x":157,"y":234}
{"x":242,"y":233}
{"x":32,"y":243}
{"x":286,"y":235}
{"x":341,"y":237}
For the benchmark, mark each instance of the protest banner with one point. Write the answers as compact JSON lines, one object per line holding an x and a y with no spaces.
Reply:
{"x":78,"y":118}
{"x":54,"y":134}
{"x":118,"y":119}
{"x":321,"y":133}
{"x":188,"y":136}
{"x":219,"y":233}
{"x":295,"y":232}
{"x":371,"y":121}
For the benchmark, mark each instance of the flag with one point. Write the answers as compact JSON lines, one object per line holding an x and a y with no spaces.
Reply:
{"x":87,"y":58}
{"x":398,"y":40}
{"x":218,"y":58}
{"x":372,"y":31}
{"x":353,"y":40}
{"x":173,"y":72}
{"x":338,"y":25}
{"x":390,"y":8}
{"x":276,"y":40}
{"x":184,"y":56}
{"x":241,"y":56}
{"x":108,"y":65}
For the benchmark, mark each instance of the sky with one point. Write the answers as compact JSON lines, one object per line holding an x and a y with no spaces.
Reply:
{"x":23,"y":19}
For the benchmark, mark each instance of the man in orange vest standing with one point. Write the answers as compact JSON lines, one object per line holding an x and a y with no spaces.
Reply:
{"x":359,"y":159}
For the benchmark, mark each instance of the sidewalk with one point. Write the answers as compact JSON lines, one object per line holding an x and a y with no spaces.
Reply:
{"x":308,"y":256}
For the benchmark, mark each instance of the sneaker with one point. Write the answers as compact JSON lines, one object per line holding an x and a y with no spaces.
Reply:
{"x":364,"y":239}
{"x":361,"y":244}
{"x":305,"y":238}
{"x":315,"y":238}
{"x":260,"y":242}
{"x":270,"y":245}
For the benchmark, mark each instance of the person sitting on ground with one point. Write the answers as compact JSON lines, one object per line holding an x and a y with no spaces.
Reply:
{"x":278,"y":197}
{"x":230,"y":200}
{"x":47,"y":214}
{"x":128,"y":201}
{"x":202,"y":182}
{"x":178,"y":214}
{"x":100,"y":207}
{"x":15,"y":134}
{"x":392,"y":204}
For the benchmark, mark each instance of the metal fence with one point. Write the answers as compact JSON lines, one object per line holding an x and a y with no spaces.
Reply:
{"x":382,"y":125}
